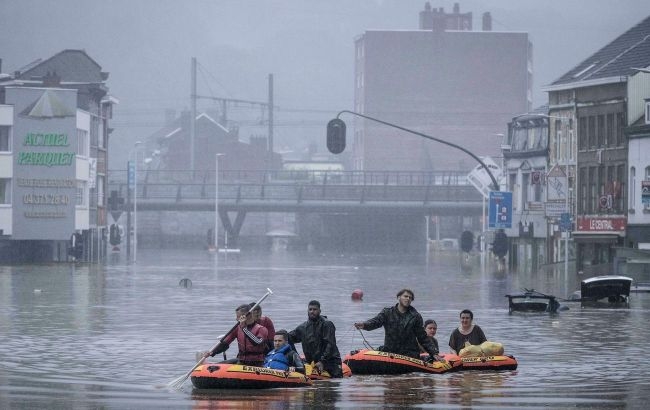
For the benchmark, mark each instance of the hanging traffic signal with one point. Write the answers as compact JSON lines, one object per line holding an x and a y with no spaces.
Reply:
{"x":466,"y":241}
{"x":336,"y":136}
{"x":500,"y":244}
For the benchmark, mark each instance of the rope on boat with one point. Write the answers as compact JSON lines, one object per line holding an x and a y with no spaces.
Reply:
{"x":365,"y":342}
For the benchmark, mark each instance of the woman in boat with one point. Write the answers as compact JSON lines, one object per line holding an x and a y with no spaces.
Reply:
{"x":403,"y":328}
{"x":467,"y":332}
{"x":283,"y":357}
{"x":430,"y":328}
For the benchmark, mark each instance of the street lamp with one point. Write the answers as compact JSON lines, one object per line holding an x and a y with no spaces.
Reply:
{"x":216,"y":201}
{"x":135,"y":201}
{"x":336,"y":139}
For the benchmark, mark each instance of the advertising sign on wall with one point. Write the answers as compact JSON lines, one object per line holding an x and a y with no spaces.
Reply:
{"x":44,"y":166}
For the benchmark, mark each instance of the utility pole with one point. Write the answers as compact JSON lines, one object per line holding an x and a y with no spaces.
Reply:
{"x":193,"y":97}
{"x":270,"y":106}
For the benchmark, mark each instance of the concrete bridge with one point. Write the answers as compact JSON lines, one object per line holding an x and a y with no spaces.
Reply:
{"x":388,"y":194}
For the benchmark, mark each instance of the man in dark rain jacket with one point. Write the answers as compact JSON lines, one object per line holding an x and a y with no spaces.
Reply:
{"x":318,"y":338}
{"x":403,"y":328}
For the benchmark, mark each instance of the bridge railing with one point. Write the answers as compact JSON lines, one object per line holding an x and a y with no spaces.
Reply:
{"x":297,"y":192}
{"x":296,"y":176}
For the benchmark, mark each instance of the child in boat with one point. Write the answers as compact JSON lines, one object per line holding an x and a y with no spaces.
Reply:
{"x":283,"y":357}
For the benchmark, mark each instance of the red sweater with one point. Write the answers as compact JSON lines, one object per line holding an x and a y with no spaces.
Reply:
{"x":251,"y":341}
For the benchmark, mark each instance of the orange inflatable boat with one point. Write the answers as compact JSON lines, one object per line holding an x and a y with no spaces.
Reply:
{"x":376,"y":362}
{"x":236,"y":376}
{"x":505,"y":362}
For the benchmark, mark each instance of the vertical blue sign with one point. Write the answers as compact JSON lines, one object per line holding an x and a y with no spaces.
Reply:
{"x":500,"y":210}
{"x":131,"y":174}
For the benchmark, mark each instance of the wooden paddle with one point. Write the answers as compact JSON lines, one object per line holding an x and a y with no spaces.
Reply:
{"x":178,"y":382}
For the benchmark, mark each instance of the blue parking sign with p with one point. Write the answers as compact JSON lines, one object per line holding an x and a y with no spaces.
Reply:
{"x":500,"y":210}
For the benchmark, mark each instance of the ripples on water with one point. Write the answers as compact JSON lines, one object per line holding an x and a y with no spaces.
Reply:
{"x":113,"y":336}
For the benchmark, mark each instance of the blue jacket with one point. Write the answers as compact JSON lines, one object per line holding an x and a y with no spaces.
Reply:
{"x":283,"y":358}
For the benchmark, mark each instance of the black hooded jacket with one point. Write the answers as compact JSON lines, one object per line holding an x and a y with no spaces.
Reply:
{"x":402,"y":332}
{"x":318,"y":338}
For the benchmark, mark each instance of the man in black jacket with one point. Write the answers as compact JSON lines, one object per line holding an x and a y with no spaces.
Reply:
{"x":318,"y":338}
{"x":403,"y":328}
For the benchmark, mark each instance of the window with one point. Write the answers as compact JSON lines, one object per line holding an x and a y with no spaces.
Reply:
{"x":647,"y":178}
{"x":591,"y":132}
{"x":5,"y":191}
{"x":5,"y":137}
{"x":583,"y":191}
{"x":82,"y":142}
{"x":525,"y":183}
{"x":81,"y":193}
{"x":610,"y":137}
{"x":632,"y":187}
{"x":601,"y":131}
{"x":100,"y":191}
{"x":620,"y":124}
{"x":582,"y":133}
{"x":593,"y":191}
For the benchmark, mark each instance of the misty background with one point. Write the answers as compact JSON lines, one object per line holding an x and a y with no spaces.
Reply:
{"x":308,"y":46}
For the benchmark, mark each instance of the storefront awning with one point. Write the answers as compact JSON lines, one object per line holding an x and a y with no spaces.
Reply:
{"x":595,"y":238}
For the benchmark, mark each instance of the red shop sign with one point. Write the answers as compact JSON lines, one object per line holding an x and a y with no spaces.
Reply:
{"x":591,"y":224}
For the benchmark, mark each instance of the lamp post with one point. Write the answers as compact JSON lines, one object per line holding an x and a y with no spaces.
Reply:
{"x":216,"y":202}
{"x":135,"y":201}
{"x":336,"y":139}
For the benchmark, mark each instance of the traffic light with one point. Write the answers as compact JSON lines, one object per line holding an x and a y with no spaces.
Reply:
{"x":500,"y":244}
{"x":466,"y":241}
{"x":336,"y":136}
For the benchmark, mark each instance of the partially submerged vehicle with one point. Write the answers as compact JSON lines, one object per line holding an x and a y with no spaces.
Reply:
{"x":610,"y":289}
{"x":532,"y":301}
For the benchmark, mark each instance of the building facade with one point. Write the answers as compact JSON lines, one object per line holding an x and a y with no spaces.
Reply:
{"x":594,"y":95}
{"x":53,"y":159}
{"x":525,"y":152}
{"x":457,"y":85}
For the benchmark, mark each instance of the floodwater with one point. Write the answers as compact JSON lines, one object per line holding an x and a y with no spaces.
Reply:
{"x":113,"y":336}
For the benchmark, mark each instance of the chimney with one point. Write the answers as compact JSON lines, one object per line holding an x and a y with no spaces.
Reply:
{"x":51,"y":80}
{"x":487,"y":21}
{"x":426,"y":17}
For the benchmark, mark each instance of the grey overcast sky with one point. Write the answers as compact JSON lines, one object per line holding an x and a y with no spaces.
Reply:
{"x":147,"y":46}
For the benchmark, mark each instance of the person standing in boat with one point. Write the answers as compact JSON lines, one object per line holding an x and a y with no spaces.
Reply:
{"x":267,"y":323}
{"x":318,"y":338}
{"x":283,"y":357}
{"x":467,"y":332}
{"x":251,"y":339}
{"x":403,"y":328}
{"x":430,"y":328}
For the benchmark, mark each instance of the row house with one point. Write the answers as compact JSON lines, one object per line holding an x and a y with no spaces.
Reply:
{"x":525,"y":152}
{"x":590,"y":108}
{"x":53,"y":159}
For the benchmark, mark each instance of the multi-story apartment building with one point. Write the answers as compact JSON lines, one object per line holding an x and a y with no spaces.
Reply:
{"x":53,"y":158}
{"x":443,"y":80}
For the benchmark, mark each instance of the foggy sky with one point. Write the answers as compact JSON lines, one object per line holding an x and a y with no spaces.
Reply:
{"x":147,"y":46}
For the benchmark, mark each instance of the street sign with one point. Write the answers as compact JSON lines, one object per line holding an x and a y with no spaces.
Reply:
{"x":131,"y":174}
{"x":480,"y":178}
{"x":645,"y":192}
{"x":500,"y":210}
{"x":565,"y":222}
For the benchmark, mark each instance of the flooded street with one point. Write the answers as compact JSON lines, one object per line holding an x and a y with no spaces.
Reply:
{"x":113,"y":336}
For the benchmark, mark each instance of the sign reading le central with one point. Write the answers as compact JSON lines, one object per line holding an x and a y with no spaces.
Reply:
{"x":500,"y":210}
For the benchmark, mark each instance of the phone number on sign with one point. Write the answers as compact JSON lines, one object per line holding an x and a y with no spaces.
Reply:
{"x":46,"y":199}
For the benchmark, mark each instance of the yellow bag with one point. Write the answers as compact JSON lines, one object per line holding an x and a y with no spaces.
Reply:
{"x":470,"y":351}
{"x":492,"y":348}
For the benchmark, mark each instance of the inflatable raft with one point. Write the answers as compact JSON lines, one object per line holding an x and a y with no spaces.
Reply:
{"x":504,"y":362}
{"x":236,"y":376}
{"x":324,"y":375}
{"x":375,"y":362}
